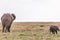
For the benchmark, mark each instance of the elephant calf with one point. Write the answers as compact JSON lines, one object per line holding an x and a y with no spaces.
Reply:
{"x":54,"y":29}
{"x":7,"y":20}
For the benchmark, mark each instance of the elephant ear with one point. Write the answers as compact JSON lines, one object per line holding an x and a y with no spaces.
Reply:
{"x":13,"y":16}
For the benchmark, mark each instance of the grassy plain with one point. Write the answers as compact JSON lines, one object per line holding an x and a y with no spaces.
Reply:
{"x":30,"y":31}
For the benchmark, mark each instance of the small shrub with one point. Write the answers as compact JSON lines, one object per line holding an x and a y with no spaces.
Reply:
{"x":41,"y":25}
{"x":34,"y":34}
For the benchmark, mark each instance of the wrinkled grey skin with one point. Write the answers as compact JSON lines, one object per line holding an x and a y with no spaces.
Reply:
{"x":54,"y":29}
{"x":7,"y":20}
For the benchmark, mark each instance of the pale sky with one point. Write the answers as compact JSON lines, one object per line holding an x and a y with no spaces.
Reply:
{"x":32,"y":10}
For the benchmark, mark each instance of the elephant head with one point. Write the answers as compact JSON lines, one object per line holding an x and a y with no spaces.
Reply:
{"x":7,"y":20}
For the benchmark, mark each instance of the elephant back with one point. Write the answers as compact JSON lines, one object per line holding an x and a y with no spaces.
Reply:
{"x":6,"y":18}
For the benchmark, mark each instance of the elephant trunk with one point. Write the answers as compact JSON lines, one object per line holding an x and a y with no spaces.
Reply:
{"x":14,"y":17}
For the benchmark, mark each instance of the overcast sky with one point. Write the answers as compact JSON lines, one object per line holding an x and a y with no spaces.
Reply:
{"x":32,"y":10}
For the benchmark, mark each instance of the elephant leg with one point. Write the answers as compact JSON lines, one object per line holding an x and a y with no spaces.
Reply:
{"x":8,"y":27}
{"x":56,"y":31}
{"x":3,"y":29}
{"x":6,"y":30}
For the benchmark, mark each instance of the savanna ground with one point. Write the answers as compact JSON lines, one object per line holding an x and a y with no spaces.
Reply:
{"x":30,"y":31}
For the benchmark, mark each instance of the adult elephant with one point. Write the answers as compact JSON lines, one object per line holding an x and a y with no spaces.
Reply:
{"x":7,"y":20}
{"x":54,"y":29}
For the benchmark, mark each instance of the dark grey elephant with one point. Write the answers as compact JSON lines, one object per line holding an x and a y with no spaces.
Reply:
{"x":54,"y":29}
{"x":7,"y":20}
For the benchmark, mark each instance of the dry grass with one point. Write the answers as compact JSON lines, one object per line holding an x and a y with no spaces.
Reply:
{"x":30,"y":31}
